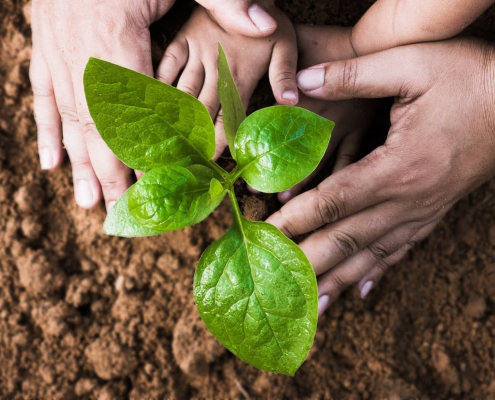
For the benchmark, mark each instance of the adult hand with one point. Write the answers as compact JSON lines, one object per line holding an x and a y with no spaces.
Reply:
{"x":65,"y":35}
{"x":317,"y":44}
{"x":440,"y":147}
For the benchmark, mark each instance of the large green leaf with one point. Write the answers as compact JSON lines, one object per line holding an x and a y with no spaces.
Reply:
{"x":120,"y":222}
{"x":277,"y":147}
{"x":256,"y":292}
{"x":173,"y":197}
{"x":233,"y":112}
{"x":145,"y":122}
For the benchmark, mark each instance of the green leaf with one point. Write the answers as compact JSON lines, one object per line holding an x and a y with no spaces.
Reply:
{"x":256,"y":292}
{"x":232,"y":108}
{"x":277,"y":147}
{"x":120,"y":222}
{"x":171,"y":198}
{"x":216,"y":189}
{"x":145,"y":122}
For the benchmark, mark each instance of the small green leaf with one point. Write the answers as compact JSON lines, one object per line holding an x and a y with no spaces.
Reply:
{"x":171,"y":198}
{"x":120,"y":222}
{"x":277,"y":147}
{"x":232,"y":108}
{"x":145,"y":122}
{"x":256,"y":292}
{"x":216,"y":189}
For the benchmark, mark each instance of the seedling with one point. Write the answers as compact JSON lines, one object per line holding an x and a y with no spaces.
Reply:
{"x":254,"y":288}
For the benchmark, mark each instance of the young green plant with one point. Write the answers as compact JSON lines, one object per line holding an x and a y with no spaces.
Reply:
{"x":254,"y":288}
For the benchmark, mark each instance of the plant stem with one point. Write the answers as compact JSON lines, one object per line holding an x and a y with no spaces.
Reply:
{"x":224,"y":174}
{"x":235,"y":208}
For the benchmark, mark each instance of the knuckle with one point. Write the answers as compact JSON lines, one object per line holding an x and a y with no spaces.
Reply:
{"x":79,"y":163}
{"x":163,"y":76}
{"x":88,"y":126}
{"x":286,"y":225}
{"x":284,"y":76}
{"x":109,"y":182}
{"x":210,"y":108}
{"x":346,"y":244}
{"x":379,"y":251}
{"x":68,"y":115}
{"x":40,"y":90}
{"x":219,"y":119}
{"x":189,"y":89}
{"x":382,"y":266}
{"x":338,"y":282}
{"x":349,"y":75}
{"x":411,"y":243}
{"x":329,"y":209}
{"x":169,"y":58}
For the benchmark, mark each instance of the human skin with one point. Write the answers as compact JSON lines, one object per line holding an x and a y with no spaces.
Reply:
{"x":317,"y":44}
{"x":65,"y":35}
{"x":192,"y":55}
{"x":392,"y":23}
{"x":440,"y":147}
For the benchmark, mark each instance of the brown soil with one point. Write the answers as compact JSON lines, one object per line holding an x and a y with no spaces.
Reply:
{"x":83,"y":314}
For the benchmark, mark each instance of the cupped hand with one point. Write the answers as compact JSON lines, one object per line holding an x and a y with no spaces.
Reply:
{"x":440,"y":147}
{"x":317,"y":44}
{"x":65,"y":35}
{"x":195,"y":50}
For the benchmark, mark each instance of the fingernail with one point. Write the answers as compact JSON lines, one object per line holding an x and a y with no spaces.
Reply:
{"x":46,"y":159}
{"x":323,"y":304}
{"x":311,"y":79}
{"x":261,"y":18}
{"x":110,"y":205}
{"x":289,"y":95}
{"x":366,"y":289}
{"x":84,"y":194}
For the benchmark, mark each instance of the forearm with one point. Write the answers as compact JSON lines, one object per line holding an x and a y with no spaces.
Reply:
{"x":392,"y":23}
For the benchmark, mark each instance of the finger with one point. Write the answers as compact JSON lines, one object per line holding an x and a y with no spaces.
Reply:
{"x":245,"y":92}
{"x":46,"y":113}
{"x":348,"y":151}
{"x":336,"y":242}
{"x":209,"y":97}
{"x":282,"y":71}
{"x":353,"y":269}
{"x":192,"y":78}
{"x":113,"y":176}
{"x":174,"y":59}
{"x":371,"y":279}
{"x":394,"y":72}
{"x":87,"y":190}
{"x":359,"y":186}
{"x":209,"y":93}
{"x":244,"y":17}
{"x":289,"y":194}
{"x":220,"y":138}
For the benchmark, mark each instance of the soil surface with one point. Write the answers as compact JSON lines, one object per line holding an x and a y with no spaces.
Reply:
{"x":83,"y":314}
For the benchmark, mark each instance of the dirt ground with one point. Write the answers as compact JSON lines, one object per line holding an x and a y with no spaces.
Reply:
{"x":83,"y":314}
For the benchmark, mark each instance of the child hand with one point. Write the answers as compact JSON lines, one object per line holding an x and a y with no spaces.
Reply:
{"x":352,"y":118}
{"x":195,"y":49}
{"x":65,"y":35}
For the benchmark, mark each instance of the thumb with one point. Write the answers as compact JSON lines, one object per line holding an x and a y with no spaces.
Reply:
{"x":396,"y":72}
{"x":244,"y":17}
